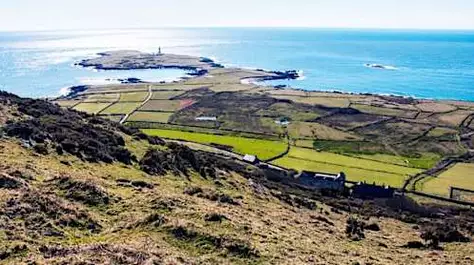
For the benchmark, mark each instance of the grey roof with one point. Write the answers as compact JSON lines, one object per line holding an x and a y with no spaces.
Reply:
{"x":319,"y":175}
{"x":250,"y":158}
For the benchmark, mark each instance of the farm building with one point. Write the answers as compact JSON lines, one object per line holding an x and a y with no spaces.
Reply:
{"x":322,"y":181}
{"x":365,"y":190}
{"x":206,"y":118}
{"x":252,"y":159}
{"x":283,"y":122}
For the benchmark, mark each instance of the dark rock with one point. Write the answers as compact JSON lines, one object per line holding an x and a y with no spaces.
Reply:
{"x":41,"y":149}
{"x":214,"y":217}
{"x":414,"y":244}
{"x":436,"y":233}
{"x":372,"y":227}
{"x":355,"y":229}
{"x":142,"y":184}
{"x":8,"y":182}
{"x":192,"y":190}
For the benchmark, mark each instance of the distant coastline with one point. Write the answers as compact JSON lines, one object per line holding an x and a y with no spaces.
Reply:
{"x":429,"y":63}
{"x":201,"y":66}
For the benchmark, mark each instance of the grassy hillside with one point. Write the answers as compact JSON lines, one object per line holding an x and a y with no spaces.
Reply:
{"x":77,"y":189}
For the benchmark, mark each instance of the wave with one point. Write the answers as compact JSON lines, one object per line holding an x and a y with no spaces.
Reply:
{"x":301,"y":75}
{"x":380,"y":66}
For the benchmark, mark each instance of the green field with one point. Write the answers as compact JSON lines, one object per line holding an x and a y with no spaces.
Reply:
{"x":115,"y":118}
{"x":264,"y":149}
{"x":66,"y":103}
{"x":150,"y":116}
{"x":106,"y":97}
{"x":357,"y":169}
{"x":121,"y":108}
{"x":162,"y":105}
{"x":165,"y":94}
{"x":133,"y":97}
{"x":384,"y":111}
{"x":318,"y":131}
{"x":353,"y":174}
{"x":425,"y":161}
{"x":460,"y":176}
{"x":92,"y":108}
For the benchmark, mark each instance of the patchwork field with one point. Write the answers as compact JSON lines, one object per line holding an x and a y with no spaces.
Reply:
{"x":67,"y":103}
{"x":93,"y":108}
{"x":115,"y":117}
{"x":370,"y":137}
{"x":121,"y":108}
{"x":150,"y":116}
{"x":356,"y":169}
{"x":323,"y":101}
{"x":461,"y":176}
{"x":318,"y":131}
{"x":343,"y":121}
{"x":264,"y":149}
{"x":108,"y":97}
{"x":165,"y":105}
{"x":165,"y":94}
{"x":295,"y":112}
{"x":385,"y":111}
{"x":133,"y":97}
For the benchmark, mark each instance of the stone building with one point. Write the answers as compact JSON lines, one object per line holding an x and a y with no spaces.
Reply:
{"x":321,"y":181}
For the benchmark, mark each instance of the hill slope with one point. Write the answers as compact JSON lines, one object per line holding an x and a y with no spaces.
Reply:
{"x":76,"y":189}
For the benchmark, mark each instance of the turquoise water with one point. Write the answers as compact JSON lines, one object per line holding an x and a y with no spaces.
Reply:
{"x":427,"y":64}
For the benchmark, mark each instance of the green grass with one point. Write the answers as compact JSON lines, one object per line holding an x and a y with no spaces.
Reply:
{"x":441,"y":131}
{"x":264,"y":149}
{"x":133,"y":97}
{"x":318,"y":131}
{"x":425,"y":161}
{"x":162,"y":105}
{"x":309,"y":154}
{"x":384,"y":111}
{"x":374,"y":151}
{"x":115,"y":118}
{"x":280,"y":110}
{"x":348,"y":147}
{"x":150,"y":116}
{"x":460,"y":176}
{"x":110,"y":97}
{"x":121,"y":108}
{"x":165,"y":94}
{"x":357,"y":169}
{"x":66,"y":103}
{"x":353,"y":174}
{"x":92,"y":108}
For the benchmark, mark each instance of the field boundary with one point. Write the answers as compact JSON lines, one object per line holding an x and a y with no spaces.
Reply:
{"x":441,"y":198}
{"x":288,"y":147}
{"x":334,"y":164}
{"x":127,"y":115}
{"x":439,"y":168}
{"x":273,"y":136}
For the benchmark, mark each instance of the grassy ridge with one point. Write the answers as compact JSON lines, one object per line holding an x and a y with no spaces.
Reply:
{"x":264,"y":149}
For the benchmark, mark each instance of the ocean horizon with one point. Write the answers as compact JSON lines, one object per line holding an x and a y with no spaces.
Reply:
{"x":434,"y":64}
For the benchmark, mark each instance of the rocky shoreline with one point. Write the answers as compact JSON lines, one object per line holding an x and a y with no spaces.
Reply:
{"x":195,"y":66}
{"x":134,"y":60}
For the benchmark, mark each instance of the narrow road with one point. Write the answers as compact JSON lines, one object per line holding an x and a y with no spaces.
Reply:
{"x":150,"y":94}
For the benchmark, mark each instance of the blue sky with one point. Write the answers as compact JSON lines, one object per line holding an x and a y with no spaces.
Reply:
{"x":98,"y":14}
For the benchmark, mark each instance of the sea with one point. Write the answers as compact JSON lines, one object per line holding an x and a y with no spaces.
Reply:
{"x":416,"y":63}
